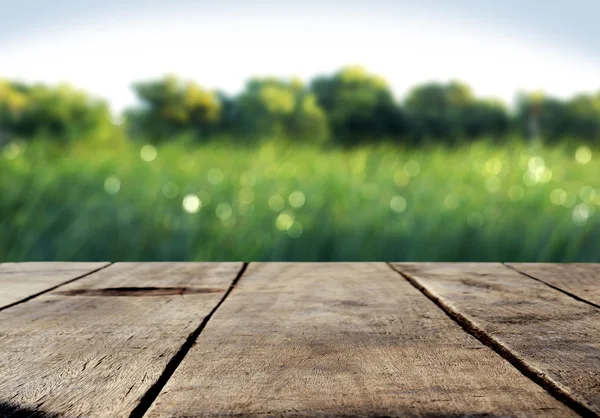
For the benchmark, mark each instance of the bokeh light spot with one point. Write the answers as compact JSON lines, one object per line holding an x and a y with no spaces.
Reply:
{"x":398,"y":204}
{"x":412,"y":168}
{"x":215,"y":176}
{"x":295,"y":230}
{"x":581,"y":214}
{"x":148,"y":153}
{"x":544,"y":175}
{"x":493,"y":166}
{"x":558,"y":197}
{"x":247,"y":179}
{"x":191,"y":203}
{"x":246,"y":196}
{"x":287,"y":170}
{"x":493,"y":184}
{"x":276,"y":203}
{"x":401,"y":179}
{"x":537,"y":172}
{"x":583,"y":155}
{"x":535,"y":163}
{"x":297,"y":199}
{"x":112,"y":185}
{"x":223,"y":211}
{"x":284,"y":221}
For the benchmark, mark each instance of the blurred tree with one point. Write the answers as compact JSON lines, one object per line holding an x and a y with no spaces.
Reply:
{"x":350,"y":105}
{"x":279,"y":108}
{"x":358,"y":105}
{"x":485,"y":118}
{"x":171,"y":106}
{"x":12,"y":105}
{"x":543,"y":116}
{"x":61,"y":112}
{"x":450,"y":112}
{"x":584,"y":116}
{"x":436,"y":109}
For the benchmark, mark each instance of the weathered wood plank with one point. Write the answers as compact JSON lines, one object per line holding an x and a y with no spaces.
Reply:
{"x":94,"y":347}
{"x":341,"y":339}
{"x":19,"y":281}
{"x":545,"y":331}
{"x":579,"y":279}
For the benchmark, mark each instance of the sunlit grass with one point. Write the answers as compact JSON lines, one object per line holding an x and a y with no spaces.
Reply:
{"x":275,"y":202}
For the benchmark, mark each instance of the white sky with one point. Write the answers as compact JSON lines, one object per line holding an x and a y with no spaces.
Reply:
{"x":221,"y":49}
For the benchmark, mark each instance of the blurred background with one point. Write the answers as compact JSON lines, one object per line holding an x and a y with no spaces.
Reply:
{"x":462,"y":130}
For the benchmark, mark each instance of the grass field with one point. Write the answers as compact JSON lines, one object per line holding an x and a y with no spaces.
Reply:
{"x":125,"y":202}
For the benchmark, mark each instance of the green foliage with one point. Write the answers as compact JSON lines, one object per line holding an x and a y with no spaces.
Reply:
{"x":171,"y":106}
{"x":554,"y":119}
{"x":359,"y":105}
{"x":60,"y":112}
{"x":279,"y":108}
{"x":584,"y":116}
{"x":222,"y":202}
{"x":450,"y":111}
{"x":350,"y":106}
{"x":542,"y":116}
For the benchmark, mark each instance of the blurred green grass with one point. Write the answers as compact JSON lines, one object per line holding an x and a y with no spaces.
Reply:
{"x":124,"y":201}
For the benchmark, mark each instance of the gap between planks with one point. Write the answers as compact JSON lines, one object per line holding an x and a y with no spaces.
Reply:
{"x":566,"y":292}
{"x":150,"y":396}
{"x":50,"y":289}
{"x":488,"y":340}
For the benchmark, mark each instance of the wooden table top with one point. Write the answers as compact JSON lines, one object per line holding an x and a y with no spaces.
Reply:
{"x":299,"y":339}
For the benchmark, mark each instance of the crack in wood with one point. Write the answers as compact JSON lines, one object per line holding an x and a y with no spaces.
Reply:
{"x":139,"y":291}
{"x":537,"y":376}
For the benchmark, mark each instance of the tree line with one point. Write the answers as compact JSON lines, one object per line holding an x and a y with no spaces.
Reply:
{"x":350,"y":106}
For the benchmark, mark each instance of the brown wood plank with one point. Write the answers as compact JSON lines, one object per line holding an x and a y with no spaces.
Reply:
{"x":94,"y":347}
{"x":579,"y":279}
{"x":545,"y":331}
{"x":19,"y":281}
{"x":342,"y":339}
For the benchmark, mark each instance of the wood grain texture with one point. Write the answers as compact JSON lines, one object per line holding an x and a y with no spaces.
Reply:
{"x":553,"y":335}
{"x":19,"y":281}
{"x":342,"y":339}
{"x":96,"y":355}
{"x":579,"y":279}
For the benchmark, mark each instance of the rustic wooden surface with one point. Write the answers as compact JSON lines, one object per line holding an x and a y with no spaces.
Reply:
{"x":299,"y":339}
{"x":344,"y":340}
{"x":19,"y":281}
{"x":95,"y":355}
{"x":577,"y":279}
{"x":552,"y":335}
